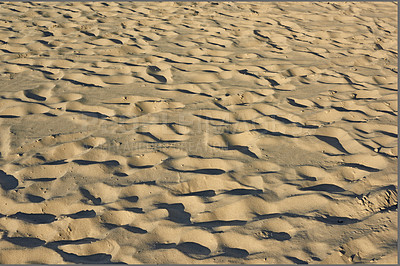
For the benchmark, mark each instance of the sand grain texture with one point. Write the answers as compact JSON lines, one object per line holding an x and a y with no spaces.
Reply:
{"x":198,"y":132}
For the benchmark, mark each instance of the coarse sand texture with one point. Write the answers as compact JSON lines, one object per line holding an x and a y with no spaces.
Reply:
{"x":198,"y":132}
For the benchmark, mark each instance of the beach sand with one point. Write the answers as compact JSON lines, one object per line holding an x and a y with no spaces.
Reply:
{"x":225,"y":132}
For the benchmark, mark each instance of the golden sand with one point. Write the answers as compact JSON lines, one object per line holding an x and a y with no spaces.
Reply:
{"x":187,"y":132}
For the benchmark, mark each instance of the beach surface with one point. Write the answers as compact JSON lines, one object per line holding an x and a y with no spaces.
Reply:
{"x":198,"y":132}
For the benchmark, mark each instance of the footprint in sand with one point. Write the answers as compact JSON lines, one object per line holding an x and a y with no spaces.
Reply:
{"x":164,"y":133}
{"x":202,"y":165}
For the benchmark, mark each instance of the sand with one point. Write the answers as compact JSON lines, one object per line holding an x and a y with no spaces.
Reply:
{"x":198,"y":132}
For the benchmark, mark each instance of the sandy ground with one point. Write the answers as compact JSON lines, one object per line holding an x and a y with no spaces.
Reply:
{"x":198,"y":132}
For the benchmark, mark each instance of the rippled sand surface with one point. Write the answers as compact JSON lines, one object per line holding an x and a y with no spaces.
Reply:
{"x":198,"y":132}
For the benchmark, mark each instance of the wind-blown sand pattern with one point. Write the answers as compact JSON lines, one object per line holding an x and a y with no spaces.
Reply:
{"x":198,"y":132}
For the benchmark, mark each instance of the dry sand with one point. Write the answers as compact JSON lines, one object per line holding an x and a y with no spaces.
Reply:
{"x":198,"y":132}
